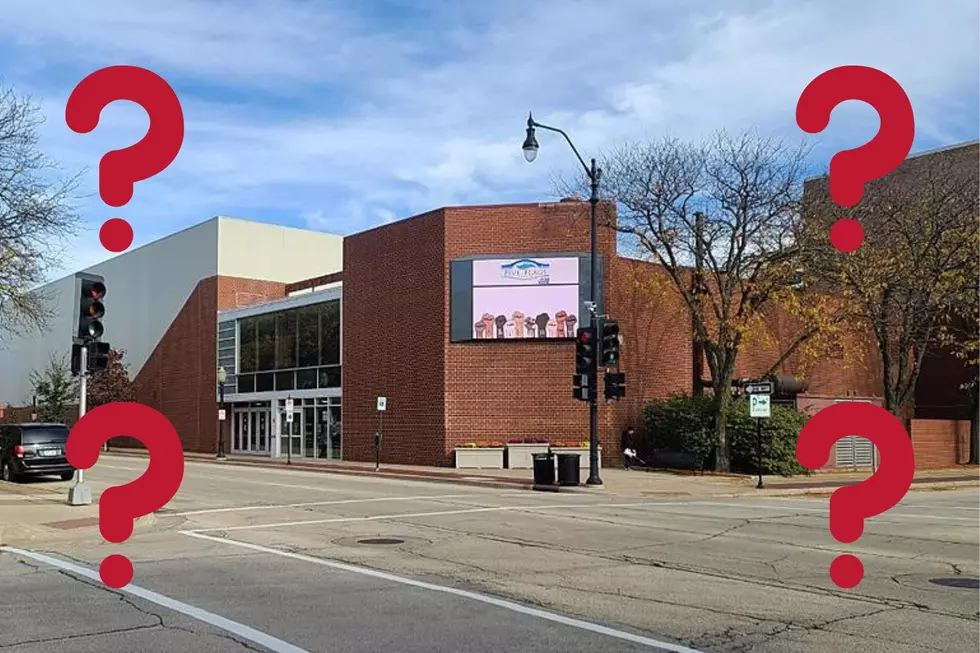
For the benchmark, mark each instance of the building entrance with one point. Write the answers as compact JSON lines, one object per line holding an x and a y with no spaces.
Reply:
{"x":251,"y":430}
{"x":315,"y":429}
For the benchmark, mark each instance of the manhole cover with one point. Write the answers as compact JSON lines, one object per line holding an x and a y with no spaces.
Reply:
{"x":962,"y":583}
{"x":381,"y":540}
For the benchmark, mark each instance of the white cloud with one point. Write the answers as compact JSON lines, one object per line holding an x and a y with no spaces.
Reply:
{"x":341,"y":119}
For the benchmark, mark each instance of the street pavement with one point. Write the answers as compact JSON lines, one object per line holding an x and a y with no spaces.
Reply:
{"x":275,"y":560}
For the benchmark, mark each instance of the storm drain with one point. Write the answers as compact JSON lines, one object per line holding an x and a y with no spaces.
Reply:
{"x":961,"y":583}
{"x":381,"y":540}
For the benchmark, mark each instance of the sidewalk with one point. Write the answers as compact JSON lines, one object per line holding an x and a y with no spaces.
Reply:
{"x":615,"y":480}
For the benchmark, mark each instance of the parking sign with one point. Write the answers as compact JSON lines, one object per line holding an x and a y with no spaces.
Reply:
{"x":759,"y":406}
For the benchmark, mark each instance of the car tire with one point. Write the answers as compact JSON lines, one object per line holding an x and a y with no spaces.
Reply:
{"x":7,"y":472}
{"x":67,"y":476}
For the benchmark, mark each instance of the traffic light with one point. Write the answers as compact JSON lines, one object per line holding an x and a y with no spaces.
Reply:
{"x":580,"y":387}
{"x":615,"y":385}
{"x":585,"y":351}
{"x":90,"y":292}
{"x":98,"y":358}
{"x":610,"y":343}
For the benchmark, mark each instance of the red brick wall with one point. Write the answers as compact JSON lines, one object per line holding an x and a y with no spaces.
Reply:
{"x":314,"y":282}
{"x":394,"y":338}
{"x":466,"y":391}
{"x":179,"y":377}
{"x":852,"y":369}
{"x":507,"y":390}
{"x":940,"y":442}
{"x":657,"y":345}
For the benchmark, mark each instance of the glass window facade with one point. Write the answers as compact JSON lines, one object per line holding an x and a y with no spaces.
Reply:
{"x":296,"y":349}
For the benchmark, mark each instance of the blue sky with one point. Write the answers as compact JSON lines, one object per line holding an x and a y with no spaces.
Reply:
{"x":340,"y":116}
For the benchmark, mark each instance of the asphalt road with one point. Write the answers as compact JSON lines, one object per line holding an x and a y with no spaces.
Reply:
{"x":273,"y":560}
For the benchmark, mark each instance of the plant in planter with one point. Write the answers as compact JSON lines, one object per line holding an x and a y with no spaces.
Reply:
{"x":520,"y":453}
{"x":581,"y":448}
{"x":480,"y":455}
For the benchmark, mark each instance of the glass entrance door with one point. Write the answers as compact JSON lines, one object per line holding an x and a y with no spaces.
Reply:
{"x":309,"y":429}
{"x":250,"y":430}
{"x":291,"y":433}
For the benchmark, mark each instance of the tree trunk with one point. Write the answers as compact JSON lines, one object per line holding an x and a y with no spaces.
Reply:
{"x":723,"y":405}
{"x":975,"y":426}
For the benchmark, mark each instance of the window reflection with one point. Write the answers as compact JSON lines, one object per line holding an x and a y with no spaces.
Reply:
{"x":285,"y":340}
{"x":330,"y":333}
{"x":295,"y":349}
{"x":267,"y":342}
{"x":247,"y":347}
{"x":309,"y":337}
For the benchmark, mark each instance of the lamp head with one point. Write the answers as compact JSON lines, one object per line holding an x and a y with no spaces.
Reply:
{"x":530,"y":146}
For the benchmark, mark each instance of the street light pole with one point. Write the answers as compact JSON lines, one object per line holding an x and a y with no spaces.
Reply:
{"x":594,"y":174}
{"x":222,"y":379}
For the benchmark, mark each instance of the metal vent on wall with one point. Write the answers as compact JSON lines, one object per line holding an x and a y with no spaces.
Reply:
{"x":854,"y":451}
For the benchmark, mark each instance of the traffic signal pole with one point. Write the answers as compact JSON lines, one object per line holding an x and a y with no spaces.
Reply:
{"x":596,"y":321}
{"x":80,"y":494}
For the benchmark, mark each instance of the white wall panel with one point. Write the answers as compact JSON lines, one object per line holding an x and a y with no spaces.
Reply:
{"x":255,"y":250}
{"x":146,"y":288}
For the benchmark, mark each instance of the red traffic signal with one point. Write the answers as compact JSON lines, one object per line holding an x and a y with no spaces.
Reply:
{"x":88,"y":325}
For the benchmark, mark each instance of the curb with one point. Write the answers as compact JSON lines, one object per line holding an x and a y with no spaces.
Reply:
{"x":404,"y":476}
{"x":528,"y":484}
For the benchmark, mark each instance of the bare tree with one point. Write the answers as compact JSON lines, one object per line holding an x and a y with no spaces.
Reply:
{"x":722,"y":217}
{"x":916,"y":272}
{"x":36,"y":216}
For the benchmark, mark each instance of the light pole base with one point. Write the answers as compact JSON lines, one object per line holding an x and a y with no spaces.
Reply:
{"x":594,"y":482}
{"x":80,"y":494}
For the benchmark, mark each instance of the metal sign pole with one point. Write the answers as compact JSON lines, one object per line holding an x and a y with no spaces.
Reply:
{"x":758,"y":435}
{"x":377,"y":443}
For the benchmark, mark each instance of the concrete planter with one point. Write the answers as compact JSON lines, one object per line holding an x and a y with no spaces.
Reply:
{"x":519,"y":455}
{"x":485,"y":458}
{"x":583,"y":452}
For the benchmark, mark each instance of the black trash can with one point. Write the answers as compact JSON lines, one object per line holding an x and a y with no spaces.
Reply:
{"x":568,"y":469}
{"x":544,"y":469}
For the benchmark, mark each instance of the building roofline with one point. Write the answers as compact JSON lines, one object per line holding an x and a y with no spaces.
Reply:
{"x":921,"y":153}
{"x":282,"y":303}
{"x":232,"y":218}
{"x":473,"y":208}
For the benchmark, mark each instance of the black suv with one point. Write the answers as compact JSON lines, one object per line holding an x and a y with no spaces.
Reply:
{"x":34,"y":449}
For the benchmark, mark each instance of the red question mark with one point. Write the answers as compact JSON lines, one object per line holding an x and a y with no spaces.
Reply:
{"x":850,"y":169}
{"x":120,"y":169}
{"x":851,"y":505}
{"x":120,"y":506}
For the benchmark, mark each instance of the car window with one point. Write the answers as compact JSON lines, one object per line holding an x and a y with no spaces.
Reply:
{"x":50,"y":435}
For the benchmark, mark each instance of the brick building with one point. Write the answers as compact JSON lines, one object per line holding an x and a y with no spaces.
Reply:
{"x":325,"y":325}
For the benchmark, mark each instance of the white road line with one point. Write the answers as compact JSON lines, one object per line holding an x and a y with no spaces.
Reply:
{"x":825,"y":510}
{"x":208,"y":511}
{"x":437,"y":513}
{"x":474,"y":596}
{"x":337,"y":520}
{"x":247,"y":481}
{"x":233,"y":627}
{"x":25,"y":497}
{"x":532,"y":508}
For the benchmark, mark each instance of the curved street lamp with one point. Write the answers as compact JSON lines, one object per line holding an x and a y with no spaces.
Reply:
{"x":594,"y":173}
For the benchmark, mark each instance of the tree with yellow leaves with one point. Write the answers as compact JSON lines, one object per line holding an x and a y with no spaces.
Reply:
{"x":916,"y":272}
{"x":722,"y":218}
